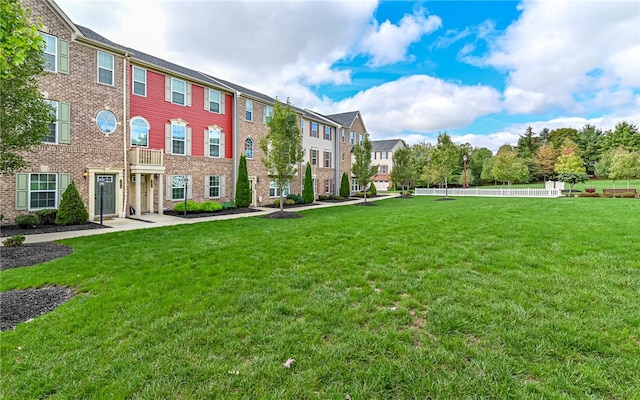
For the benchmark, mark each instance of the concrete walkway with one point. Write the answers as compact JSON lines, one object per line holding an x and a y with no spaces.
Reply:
{"x":154,"y":221}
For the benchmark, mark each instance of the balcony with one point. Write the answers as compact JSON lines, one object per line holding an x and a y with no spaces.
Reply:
{"x":146,"y":160}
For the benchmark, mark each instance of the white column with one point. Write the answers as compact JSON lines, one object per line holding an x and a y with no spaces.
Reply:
{"x":150,"y":193}
{"x":138,"y":196}
{"x":160,"y":193}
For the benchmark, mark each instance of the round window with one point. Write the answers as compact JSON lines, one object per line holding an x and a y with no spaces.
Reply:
{"x":106,"y":121}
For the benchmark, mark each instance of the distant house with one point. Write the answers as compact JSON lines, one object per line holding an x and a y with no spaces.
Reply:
{"x":382,"y":156}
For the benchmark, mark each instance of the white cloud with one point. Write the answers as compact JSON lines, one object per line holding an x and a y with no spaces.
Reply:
{"x":421,"y":103}
{"x":387,"y":43}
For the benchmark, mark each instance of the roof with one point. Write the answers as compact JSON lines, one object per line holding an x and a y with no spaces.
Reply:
{"x":386,"y":145}
{"x":345,"y":119}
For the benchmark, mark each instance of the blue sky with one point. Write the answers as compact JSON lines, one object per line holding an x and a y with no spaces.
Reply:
{"x":480,"y":70}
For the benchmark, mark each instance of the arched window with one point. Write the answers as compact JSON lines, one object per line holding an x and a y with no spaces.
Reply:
{"x":248,"y":148}
{"x":139,"y":132}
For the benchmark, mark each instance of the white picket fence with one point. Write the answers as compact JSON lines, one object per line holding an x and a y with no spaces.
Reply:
{"x":482,"y":192}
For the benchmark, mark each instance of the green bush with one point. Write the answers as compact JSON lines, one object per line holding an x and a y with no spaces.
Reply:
{"x":373,"y":190}
{"x":608,"y":195}
{"x":228,"y":205}
{"x":587,"y":194}
{"x":210,"y":206}
{"x":47,"y":217}
{"x":27,"y":221}
{"x":243,"y":187}
{"x":296,"y":198}
{"x":345,"y":191}
{"x":288,"y":202}
{"x":72,"y":210}
{"x":361,"y":194}
{"x":626,"y":195}
{"x":339,"y":198}
{"x":192,"y":207}
{"x":13,"y":241}
{"x":307,"y":189}
{"x":324,"y":197}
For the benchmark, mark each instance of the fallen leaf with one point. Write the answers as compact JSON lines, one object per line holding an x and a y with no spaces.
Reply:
{"x":289,"y":363}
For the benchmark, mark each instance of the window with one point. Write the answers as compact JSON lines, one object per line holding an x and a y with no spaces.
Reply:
{"x":327,"y":159}
{"x":355,"y":187}
{"x":344,"y":135}
{"x":178,"y":91}
{"x":352,"y":138}
{"x":139,"y":132}
{"x":314,"y":157}
{"x":214,"y":186}
{"x":327,"y":185}
{"x":178,"y":139}
{"x":177,"y":187}
{"x":327,"y":133}
{"x":274,"y":191}
{"x":248,"y":148}
{"x":50,"y":53}
{"x":214,"y":101}
{"x":314,"y":129}
{"x":139,"y":81}
{"x":383,"y":155}
{"x":360,"y":139}
{"x":214,"y":142}
{"x":248,"y":114}
{"x":268,"y":113}
{"x":106,"y":121}
{"x":105,"y":68}
{"x":373,"y":155}
{"x":383,"y":169}
{"x":302,"y":126}
{"x":52,"y":136}
{"x":42,"y":191}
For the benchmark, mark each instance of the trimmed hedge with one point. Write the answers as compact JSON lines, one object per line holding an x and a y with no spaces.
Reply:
{"x":47,"y":217}
{"x":192,"y":207}
{"x":296,"y":198}
{"x":228,"y":205}
{"x":210,"y":206}
{"x":27,"y":221}
{"x":288,"y":202}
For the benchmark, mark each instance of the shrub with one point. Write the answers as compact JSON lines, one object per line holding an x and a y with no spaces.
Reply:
{"x":47,"y":217}
{"x":72,"y":210}
{"x":243,"y":187}
{"x":373,"y":190}
{"x":307,"y":189}
{"x":588,"y":194}
{"x":627,"y":195}
{"x":608,"y":195}
{"x":295,"y":197}
{"x":210,"y":206}
{"x":27,"y":221}
{"x":288,"y":202}
{"x":339,"y":198}
{"x":192,"y":207}
{"x":228,"y":205}
{"x":13,"y":241}
{"x":324,"y":197}
{"x":344,"y":186}
{"x":361,"y":194}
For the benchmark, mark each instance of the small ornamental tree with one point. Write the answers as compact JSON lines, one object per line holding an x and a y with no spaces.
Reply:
{"x":243,"y":188}
{"x":282,"y":147}
{"x":72,"y":210}
{"x":572,"y":178}
{"x":362,"y":169}
{"x":307,"y":192}
{"x":402,"y":172}
{"x":446,"y":158}
{"x":624,"y":165}
{"x":373,"y":189}
{"x":345,"y":191}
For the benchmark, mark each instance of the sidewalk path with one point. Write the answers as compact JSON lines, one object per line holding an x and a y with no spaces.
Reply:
{"x":155,"y":221}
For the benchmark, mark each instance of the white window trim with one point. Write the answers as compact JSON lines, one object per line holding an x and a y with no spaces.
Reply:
{"x":113,"y":73}
{"x":55,"y":55}
{"x":131,"y":131}
{"x":268,"y":114}
{"x":184,"y":94}
{"x":29,"y":191}
{"x":219,"y":102}
{"x":276,"y":189}
{"x":57,"y":125}
{"x":247,"y":110}
{"x":214,"y":129}
{"x":184,"y":125}
{"x":253,"y":145}
{"x":324,"y":162}
{"x":317,"y":153}
{"x":183,"y":188}
{"x":133,"y":86}
{"x":211,"y":186}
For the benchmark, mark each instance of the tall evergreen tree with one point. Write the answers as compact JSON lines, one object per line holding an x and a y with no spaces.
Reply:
{"x":243,"y":187}
{"x":72,"y":210}
{"x":307,"y":192}
{"x":362,"y":168}
{"x":345,"y":191}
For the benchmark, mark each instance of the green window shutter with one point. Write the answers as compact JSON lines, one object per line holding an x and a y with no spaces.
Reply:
{"x":223,"y":185}
{"x":63,"y":182}
{"x":222,"y":155}
{"x":22,"y":191}
{"x":64,"y":123}
{"x":63,"y":56}
{"x":222,"y":103}
{"x":190,"y":187}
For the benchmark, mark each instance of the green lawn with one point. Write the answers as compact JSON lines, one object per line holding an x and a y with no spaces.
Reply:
{"x":415,"y":298}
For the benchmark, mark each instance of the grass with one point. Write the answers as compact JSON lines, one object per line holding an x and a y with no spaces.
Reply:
{"x":472,"y":298}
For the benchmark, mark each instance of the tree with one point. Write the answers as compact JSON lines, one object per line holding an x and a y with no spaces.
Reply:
{"x":243,"y":187}
{"x":624,"y":134}
{"x":590,"y":145}
{"x":402,"y":171}
{"x":557,"y":137}
{"x":527,"y":144}
{"x":572,"y":178}
{"x":282,"y":147}
{"x":546,"y":158}
{"x":308,"y":194}
{"x":570,"y":168}
{"x":487,"y":167}
{"x":508,"y":167}
{"x":446,"y":157}
{"x":420,"y":157}
{"x":72,"y":210}
{"x":362,"y":168}
{"x":345,"y":191}
{"x":624,"y":165}
{"x":475,"y":165}
{"x":26,"y":115}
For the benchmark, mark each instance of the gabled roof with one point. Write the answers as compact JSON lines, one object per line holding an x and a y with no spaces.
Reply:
{"x":345,"y":119}
{"x":63,"y":16}
{"x":386,"y":145}
{"x":310,"y":114}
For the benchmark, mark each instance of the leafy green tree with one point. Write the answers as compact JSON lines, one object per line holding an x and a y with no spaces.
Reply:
{"x":624,"y":165}
{"x":402,"y":172}
{"x":624,"y":134}
{"x":282,"y":147}
{"x":243,"y":187}
{"x":362,"y":168}
{"x":25,"y":115}
{"x":546,"y":158}
{"x":446,"y":158}
{"x":508,"y":167}
{"x":557,"y":137}
{"x":569,"y":161}
{"x":72,"y":210}
{"x":590,"y":145}
{"x":475,"y":165}
{"x":307,"y":192}
{"x":487,"y":167}
{"x":420,"y":158}
{"x":572,"y":178}
{"x":345,"y":191}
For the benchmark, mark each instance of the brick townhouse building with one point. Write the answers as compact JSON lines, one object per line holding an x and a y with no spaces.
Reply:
{"x":382,"y":156}
{"x":139,"y":126}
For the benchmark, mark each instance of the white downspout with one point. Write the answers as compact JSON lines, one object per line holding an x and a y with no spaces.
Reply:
{"x":125,"y":181}
{"x":236,"y":150}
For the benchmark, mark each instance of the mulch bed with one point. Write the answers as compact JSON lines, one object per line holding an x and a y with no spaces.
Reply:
{"x":31,"y":254}
{"x":12,"y":230}
{"x":282,"y":215}
{"x":210,"y":214}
